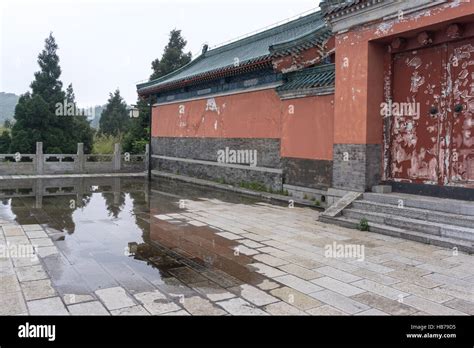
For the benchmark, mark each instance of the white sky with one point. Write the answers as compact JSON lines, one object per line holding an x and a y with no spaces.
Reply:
{"x":109,"y":44}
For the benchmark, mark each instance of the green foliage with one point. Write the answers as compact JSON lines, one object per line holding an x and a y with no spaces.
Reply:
{"x":363,"y":225}
{"x":138,"y":134}
{"x":83,"y":133}
{"x":104,"y":144}
{"x":5,"y":141}
{"x":114,"y":119}
{"x":173,"y":56}
{"x":35,"y":114}
{"x":317,"y":203}
{"x":255,"y":186}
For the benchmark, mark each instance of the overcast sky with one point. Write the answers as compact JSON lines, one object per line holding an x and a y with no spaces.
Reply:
{"x":109,"y":44}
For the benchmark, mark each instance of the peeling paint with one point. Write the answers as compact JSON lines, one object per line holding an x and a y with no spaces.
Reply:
{"x":438,"y":148}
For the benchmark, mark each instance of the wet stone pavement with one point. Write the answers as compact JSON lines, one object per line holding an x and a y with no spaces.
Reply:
{"x":119,"y":246}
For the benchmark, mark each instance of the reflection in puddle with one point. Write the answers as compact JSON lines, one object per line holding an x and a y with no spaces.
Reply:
{"x":113,"y":231}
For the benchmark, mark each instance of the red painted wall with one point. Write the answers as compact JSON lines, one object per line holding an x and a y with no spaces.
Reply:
{"x":244,"y":115}
{"x":359,"y":77}
{"x":308,"y":133}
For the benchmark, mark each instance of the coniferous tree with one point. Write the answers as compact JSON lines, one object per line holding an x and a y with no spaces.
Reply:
{"x":36,"y":114}
{"x":83,"y":133}
{"x":173,"y":58}
{"x":114,"y":120}
{"x":5,"y":141}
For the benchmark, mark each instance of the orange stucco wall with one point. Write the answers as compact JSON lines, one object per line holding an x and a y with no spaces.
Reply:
{"x":359,"y":73}
{"x":307,"y":127}
{"x":244,"y":115}
{"x":304,"y":125}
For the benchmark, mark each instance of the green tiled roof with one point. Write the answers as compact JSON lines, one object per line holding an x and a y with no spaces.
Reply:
{"x":252,"y":49}
{"x":332,"y":6}
{"x":303,"y":42}
{"x":321,"y":76}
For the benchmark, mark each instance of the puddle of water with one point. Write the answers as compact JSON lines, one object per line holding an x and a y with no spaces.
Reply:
{"x":108,"y":234}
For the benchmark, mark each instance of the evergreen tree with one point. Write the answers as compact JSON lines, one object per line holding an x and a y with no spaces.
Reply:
{"x":5,"y":141}
{"x":114,"y":120}
{"x":83,"y":133}
{"x":36,"y":113}
{"x":7,"y":124}
{"x":173,"y":58}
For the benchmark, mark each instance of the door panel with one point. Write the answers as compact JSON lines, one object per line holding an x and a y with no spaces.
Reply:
{"x":460,"y":71}
{"x":417,"y":110}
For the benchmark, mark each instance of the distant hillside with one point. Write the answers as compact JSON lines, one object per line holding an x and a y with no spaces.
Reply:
{"x":97,"y":112}
{"x":8,"y":102}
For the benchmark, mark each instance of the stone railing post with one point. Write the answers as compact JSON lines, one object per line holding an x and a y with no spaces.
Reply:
{"x":39,"y":158}
{"x":80,"y":158}
{"x":117,"y":162}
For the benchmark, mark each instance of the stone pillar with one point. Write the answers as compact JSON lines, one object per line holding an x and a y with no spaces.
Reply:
{"x":358,"y":124}
{"x":39,"y":158}
{"x":80,"y":158}
{"x":117,"y":162}
{"x":356,"y":167}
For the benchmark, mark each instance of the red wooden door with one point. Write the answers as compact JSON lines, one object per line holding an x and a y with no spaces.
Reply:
{"x":418,"y":106}
{"x":460,"y":115}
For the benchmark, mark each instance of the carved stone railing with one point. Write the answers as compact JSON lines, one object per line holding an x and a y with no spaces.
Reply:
{"x":79,"y":163}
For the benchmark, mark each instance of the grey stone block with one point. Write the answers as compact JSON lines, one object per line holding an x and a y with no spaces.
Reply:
{"x":382,"y":189}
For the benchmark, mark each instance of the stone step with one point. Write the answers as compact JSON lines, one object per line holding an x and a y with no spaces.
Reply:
{"x":445,"y":205}
{"x":409,"y":224}
{"x":416,"y":213}
{"x":445,"y":242}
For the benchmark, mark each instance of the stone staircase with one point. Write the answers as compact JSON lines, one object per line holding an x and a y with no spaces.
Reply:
{"x":442,"y":222}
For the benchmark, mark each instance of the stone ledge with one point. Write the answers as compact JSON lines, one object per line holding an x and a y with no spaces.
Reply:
{"x":226,"y":187}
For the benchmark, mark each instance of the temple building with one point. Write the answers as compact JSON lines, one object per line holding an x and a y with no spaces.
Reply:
{"x":359,"y":94}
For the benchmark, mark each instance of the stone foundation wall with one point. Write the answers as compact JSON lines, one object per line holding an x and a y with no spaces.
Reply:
{"x":357,"y":166}
{"x":309,"y":173}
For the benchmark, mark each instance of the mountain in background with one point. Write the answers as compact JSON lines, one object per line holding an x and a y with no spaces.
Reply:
{"x":8,"y":102}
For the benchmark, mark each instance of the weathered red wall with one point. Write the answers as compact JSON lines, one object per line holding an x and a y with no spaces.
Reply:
{"x":359,"y":79}
{"x":309,"y":131}
{"x":244,"y":115}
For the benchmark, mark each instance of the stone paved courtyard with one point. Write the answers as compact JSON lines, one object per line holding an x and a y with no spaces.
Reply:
{"x":207,"y":256}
